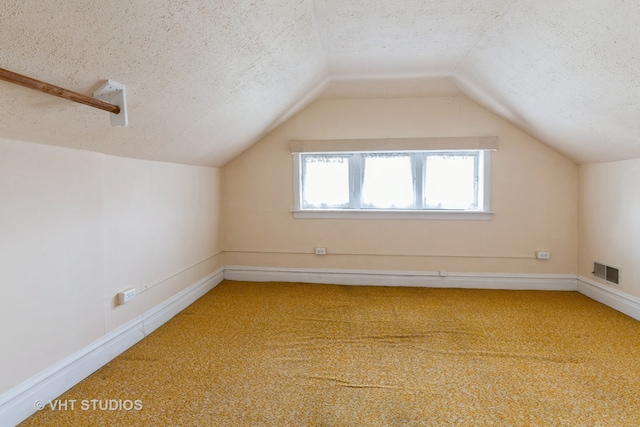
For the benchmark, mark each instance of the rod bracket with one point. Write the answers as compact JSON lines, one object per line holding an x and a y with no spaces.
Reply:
{"x":114,"y":93}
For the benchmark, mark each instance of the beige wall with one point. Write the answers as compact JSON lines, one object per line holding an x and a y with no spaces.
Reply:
{"x":77,"y":227}
{"x":609,"y":218}
{"x":534,"y":194}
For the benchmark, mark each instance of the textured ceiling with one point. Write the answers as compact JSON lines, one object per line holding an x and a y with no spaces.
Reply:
{"x":207,"y":78}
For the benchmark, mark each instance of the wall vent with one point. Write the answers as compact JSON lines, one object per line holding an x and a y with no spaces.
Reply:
{"x":605,"y":272}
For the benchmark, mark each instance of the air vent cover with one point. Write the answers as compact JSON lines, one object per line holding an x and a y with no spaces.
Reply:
{"x":605,"y":272}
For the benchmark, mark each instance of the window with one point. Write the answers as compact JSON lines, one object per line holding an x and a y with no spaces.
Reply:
{"x":344,"y":184}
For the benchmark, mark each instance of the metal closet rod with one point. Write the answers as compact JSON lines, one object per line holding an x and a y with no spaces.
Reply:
{"x":41,"y":86}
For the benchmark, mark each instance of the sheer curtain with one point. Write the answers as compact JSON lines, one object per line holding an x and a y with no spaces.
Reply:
{"x":449,"y":182}
{"x":326,"y":181}
{"x":387,"y":181}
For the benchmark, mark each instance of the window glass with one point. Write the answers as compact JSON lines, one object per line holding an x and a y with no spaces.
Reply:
{"x":450,"y":181}
{"x":325,"y":181}
{"x":387,"y":181}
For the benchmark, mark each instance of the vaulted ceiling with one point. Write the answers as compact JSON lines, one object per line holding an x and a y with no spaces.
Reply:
{"x":206,"y":79}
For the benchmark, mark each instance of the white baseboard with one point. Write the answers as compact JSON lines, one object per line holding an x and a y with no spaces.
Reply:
{"x":605,"y":294}
{"x":610,"y":296}
{"x":434,"y":279}
{"x":18,"y":403}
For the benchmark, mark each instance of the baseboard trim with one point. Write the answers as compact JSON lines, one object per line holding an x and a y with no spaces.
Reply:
{"x":609,"y":296}
{"x":434,"y":279}
{"x":17,"y":404}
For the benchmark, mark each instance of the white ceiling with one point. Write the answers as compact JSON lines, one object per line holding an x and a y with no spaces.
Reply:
{"x":207,"y":78}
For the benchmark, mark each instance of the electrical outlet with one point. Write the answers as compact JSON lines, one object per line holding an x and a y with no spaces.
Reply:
{"x":321,"y":251}
{"x":543,"y":255}
{"x":126,"y":295}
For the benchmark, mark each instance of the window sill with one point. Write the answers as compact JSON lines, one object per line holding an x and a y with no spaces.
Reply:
{"x":448,"y":215}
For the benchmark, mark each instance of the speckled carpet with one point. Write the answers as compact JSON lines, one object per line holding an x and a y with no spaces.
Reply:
{"x":282,"y":354}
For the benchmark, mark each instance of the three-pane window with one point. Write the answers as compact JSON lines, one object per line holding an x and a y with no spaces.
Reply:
{"x":423,"y":180}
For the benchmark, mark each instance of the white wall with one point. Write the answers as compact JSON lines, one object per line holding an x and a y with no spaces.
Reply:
{"x":610,"y":221}
{"x":534,"y":194}
{"x":77,"y":227}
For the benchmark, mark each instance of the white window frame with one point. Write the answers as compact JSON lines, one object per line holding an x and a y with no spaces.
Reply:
{"x":354,"y":210}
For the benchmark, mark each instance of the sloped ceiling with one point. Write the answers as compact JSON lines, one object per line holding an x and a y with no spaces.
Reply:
{"x":207,"y":78}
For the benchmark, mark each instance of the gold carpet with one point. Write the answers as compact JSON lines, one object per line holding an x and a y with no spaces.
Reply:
{"x":282,"y":354}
